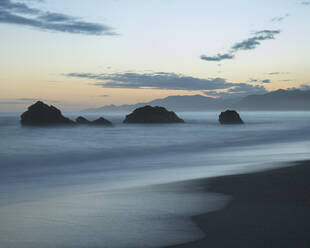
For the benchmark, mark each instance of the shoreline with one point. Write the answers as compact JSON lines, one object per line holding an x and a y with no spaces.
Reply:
{"x":268,"y":209}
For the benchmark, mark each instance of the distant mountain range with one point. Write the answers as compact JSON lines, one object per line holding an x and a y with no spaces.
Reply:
{"x":282,"y":100}
{"x":289,"y":100}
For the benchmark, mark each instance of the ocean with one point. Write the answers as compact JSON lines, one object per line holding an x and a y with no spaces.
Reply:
{"x":118,"y":186}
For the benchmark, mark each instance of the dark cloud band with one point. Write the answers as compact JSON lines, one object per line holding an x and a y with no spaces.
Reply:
{"x":218,"y":57}
{"x":169,"y":81}
{"x":23,"y":15}
{"x":305,"y":3}
{"x":254,"y":41}
{"x":248,"y":44}
{"x":265,"y":81}
{"x":157,"y":80}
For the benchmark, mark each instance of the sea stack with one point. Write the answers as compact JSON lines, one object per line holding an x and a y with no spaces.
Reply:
{"x":152,"y":115}
{"x":101,"y":122}
{"x":40,"y":114}
{"x":230,"y":117}
{"x":82,"y":120}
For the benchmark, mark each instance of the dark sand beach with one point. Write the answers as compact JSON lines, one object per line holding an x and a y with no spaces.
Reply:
{"x":268,"y":209}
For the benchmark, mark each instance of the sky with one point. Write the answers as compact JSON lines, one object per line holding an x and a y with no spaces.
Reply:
{"x":77,"y":54}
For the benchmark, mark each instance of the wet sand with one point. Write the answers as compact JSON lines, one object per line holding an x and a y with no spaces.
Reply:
{"x":268,"y":209}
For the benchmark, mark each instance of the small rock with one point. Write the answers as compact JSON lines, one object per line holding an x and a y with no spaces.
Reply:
{"x":101,"y":121}
{"x":82,"y":120}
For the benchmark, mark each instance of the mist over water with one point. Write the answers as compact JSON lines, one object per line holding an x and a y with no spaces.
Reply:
{"x":91,"y":186}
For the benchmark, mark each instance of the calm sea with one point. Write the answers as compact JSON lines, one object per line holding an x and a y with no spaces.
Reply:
{"x":107,"y":186}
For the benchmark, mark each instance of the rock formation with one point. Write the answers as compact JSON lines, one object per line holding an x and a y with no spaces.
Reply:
{"x":42,"y":114}
{"x":101,"y":122}
{"x":149,"y":114}
{"x":82,"y":120}
{"x":230,"y":117}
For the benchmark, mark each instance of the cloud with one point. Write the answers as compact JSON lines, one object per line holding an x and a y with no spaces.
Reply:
{"x":253,"y":80}
{"x":27,"y":99}
{"x":24,"y":101}
{"x":265,"y":81}
{"x":305,"y":3}
{"x":286,"y":80}
{"x":8,"y":5}
{"x":246,"y":89}
{"x":280,"y":19}
{"x":254,"y":41}
{"x":171,"y":81}
{"x":218,"y":57}
{"x":303,"y":87}
{"x":38,"y":1}
{"x":156,"y":80}
{"x":239,"y":90}
{"x":248,"y":44}
{"x":10,"y":102}
{"x":21,"y":14}
{"x":277,"y":73}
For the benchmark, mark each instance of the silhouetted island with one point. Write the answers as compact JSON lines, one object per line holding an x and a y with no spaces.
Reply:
{"x":101,"y":122}
{"x":82,"y":120}
{"x":149,"y":114}
{"x":42,"y":114}
{"x":230,"y":117}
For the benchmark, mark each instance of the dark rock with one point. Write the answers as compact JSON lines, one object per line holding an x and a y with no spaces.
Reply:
{"x":102,"y":122}
{"x":230,"y":117}
{"x":149,"y":114}
{"x":82,"y":120}
{"x":42,"y":114}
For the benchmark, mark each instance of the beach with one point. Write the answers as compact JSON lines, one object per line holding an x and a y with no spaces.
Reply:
{"x":268,"y":209}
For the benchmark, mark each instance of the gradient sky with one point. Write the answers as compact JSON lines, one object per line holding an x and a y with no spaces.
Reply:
{"x":77,"y":54}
